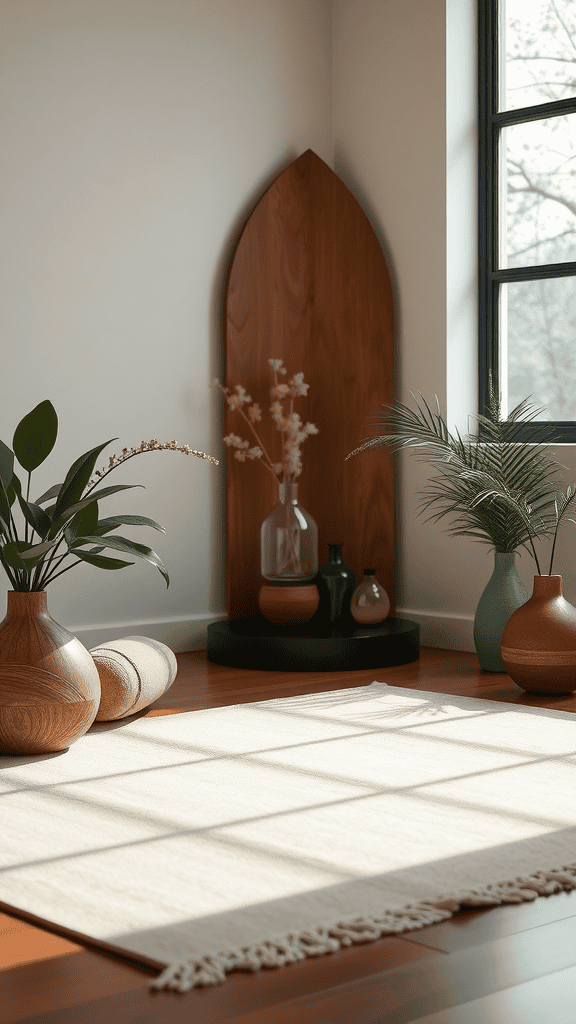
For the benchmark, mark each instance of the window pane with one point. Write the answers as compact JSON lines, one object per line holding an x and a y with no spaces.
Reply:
{"x":539,"y":350}
{"x":538,"y":52}
{"x":540,"y":202}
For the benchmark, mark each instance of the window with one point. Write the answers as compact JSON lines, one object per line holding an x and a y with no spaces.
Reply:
{"x":527,"y":207}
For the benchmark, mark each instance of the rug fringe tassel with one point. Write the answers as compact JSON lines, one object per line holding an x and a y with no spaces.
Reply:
{"x":212,"y":970}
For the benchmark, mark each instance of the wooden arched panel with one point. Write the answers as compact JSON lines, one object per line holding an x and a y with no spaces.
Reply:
{"x":308,"y":284}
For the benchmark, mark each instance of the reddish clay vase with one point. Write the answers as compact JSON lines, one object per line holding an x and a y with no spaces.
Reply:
{"x":539,"y":640}
{"x":288,"y":605}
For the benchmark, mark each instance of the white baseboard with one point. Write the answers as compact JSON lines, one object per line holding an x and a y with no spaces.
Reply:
{"x":178,"y":634}
{"x":450,"y":631}
{"x":442,"y":629}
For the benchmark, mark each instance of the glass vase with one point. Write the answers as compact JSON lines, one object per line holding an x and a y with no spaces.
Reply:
{"x":370,"y":603}
{"x":289,"y":540}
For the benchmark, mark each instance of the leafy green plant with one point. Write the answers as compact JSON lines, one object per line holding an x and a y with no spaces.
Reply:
{"x":500,"y":490}
{"x":71,"y":520}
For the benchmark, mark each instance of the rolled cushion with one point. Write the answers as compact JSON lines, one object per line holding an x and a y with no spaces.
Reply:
{"x":134,"y":671}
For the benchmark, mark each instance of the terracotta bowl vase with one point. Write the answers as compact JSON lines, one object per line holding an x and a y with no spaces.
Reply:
{"x":288,"y":605}
{"x":539,"y":640}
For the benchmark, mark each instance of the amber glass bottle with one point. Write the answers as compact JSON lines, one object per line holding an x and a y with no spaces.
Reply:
{"x":370,"y":603}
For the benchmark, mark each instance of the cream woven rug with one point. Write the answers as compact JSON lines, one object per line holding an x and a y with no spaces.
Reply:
{"x":259,"y":834}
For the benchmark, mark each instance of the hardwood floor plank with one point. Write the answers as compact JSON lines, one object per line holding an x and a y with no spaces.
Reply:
{"x":406,"y":993}
{"x":133,"y":1007}
{"x":201,"y":683}
{"x":547,"y":1000}
{"x":20,"y":945}
{"x":472,"y":928}
{"x":84,"y":977}
{"x":64,"y":981}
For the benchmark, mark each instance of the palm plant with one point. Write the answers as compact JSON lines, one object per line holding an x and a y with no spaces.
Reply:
{"x":501,"y":490}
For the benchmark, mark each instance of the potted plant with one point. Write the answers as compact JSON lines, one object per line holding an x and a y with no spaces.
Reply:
{"x":49,"y":685}
{"x":499,"y":489}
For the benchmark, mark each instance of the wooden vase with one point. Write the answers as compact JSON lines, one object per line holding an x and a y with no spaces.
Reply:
{"x":49,"y":684}
{"x":539,"y":640}
{"x":288,"y":605}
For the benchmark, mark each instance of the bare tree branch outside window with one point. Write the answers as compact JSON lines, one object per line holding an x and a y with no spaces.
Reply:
{"x":538,"y":201}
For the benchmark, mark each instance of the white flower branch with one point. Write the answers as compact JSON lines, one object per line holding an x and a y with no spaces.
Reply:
{"x":292,"y":432}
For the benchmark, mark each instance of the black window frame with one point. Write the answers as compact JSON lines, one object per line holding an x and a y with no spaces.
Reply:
{"x":490,"y":123}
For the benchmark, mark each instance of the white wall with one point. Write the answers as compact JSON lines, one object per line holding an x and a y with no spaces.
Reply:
{"x":136,"y":136}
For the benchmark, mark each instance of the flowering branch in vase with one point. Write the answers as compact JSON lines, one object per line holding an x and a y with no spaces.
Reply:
{"x":289,"y":425}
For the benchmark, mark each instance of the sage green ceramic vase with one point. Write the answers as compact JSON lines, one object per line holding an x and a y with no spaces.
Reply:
{"x":503,"y":594}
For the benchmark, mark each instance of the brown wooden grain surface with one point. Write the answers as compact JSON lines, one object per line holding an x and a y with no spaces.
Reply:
{"x":49,"y":685}
{"x":308,"y":284}
{"x":472,"y":967}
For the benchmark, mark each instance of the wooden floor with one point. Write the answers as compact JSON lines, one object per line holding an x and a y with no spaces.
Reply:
{"x":513,"y":964}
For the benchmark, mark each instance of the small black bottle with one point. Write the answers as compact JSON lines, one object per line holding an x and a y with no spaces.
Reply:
{"x":336,"y":584}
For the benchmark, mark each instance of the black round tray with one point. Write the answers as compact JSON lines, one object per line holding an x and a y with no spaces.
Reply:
{"x":254,"y":642}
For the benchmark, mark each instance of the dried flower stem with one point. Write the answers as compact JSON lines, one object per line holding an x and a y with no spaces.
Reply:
{"x":290,"y":533}
{"x":290,"y":426}
{"x":145,"y":446}
{"x":270,"y":464}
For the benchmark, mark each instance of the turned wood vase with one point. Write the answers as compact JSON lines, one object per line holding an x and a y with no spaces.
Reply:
{"x":288,"y":605}
{"x":539,"y":640}
{"x":49,"y":684}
